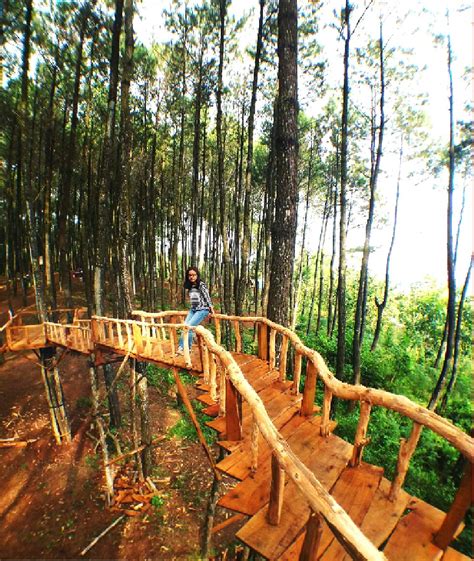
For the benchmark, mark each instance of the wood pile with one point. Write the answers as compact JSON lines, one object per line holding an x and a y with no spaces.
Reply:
{"x":132,"y":497}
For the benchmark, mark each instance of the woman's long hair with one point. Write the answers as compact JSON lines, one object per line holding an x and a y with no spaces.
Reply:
{"x":187,"y":283}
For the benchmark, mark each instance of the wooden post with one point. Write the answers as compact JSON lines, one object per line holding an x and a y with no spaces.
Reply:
{"x":222,"y":391}
{"x":217,"y":323}
{"x":130,"y":339}
{"x":263,"y":341}
{"x":309,"y":392}
{"x":213,"y":379}
{"x":204,"y":360}
{"x":94,"y":331}
{"x":118,"y":327}
{"x":324,"y":428}
{"x":187,"y":403}
{"x":137,"y":338}
{"x":276,"y":493}
{"x":186,"y":349}
{"x":272,"y":360}
{"x":462,"y":501}
{"x":254,"y":444}
{"x":173,"y":335}
{"x":295,"y":389}
{"x":232,"y":417}
{"x":314,"y":529}
{"x":283,"y":357}
{"x":108,"y":472}
{"x":238,"y":338}
{"x":407,"y":449}
{"x":360,"y":439}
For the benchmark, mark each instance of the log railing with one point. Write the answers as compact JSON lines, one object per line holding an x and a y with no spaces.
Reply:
{"x":155,"y":337}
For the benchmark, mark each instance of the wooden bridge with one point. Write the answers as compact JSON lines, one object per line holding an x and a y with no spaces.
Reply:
{"x":306,"y":493}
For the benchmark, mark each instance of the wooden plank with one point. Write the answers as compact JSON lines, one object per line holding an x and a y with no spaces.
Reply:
{"x":383,"y":514}
{"x":274,"y":400}
{"x":328,"y":456}
{"x":453,"y":555}
{"x":238,"y":464}
{"x":413,"y":535}
{"x":253,"y":493}
{"x":354,"y":491}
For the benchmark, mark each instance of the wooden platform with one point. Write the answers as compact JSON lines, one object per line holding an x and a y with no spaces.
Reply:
{"x":403,"y":528}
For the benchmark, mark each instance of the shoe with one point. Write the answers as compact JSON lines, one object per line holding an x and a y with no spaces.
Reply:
{"x":179,"y":352}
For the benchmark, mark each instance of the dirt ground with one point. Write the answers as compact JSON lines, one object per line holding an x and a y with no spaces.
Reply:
{"x":52,"y":502}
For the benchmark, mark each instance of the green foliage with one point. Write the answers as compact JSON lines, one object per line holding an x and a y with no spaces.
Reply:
{"x":403,"y":363}
{"x":184,"y":428}
{"x":83,"y":403}
{"x":92,"y":461}
{"x":160,"y":378}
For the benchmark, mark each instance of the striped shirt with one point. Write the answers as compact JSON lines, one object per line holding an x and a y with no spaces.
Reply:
{"x":200,"y":298}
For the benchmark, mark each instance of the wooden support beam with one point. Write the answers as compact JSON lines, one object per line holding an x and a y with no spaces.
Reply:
{"x":272,"y":359}
{"x":309,"y":392}
{"x":295,"y":389}
{"x":462,"y":501}
{"x":407,"y":449}
{"x":325,"y":421}
{"x":238,"y":338}
{"x":283,"y":357}
{"x":187,"y":403}
{"x":314,"y":529}
{"x":276,"y":492}
{"x":262,"y":341}
{"x":361,"y":440}
{"x":232,"y":416}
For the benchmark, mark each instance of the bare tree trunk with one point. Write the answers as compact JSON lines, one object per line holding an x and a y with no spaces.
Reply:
{"x":299,"y":274}
{"x":451,"y":306}
{"x":457,"y":339}
{"x":361,"y":304}
{"x":341,"y":286}
{"x":227,"y":284}
{"x":381,"y":305}
{"x":284,"y":225}
{"x":125,"y":183}
{"x":248,"y":169}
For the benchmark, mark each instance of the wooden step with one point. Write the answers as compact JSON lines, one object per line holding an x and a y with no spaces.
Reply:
{"x":354,"y":492}
{"x":452,"y":554}
{"x":238,"y":464}
{"x":413,"y":535}
{"x":328,"y":458}
{"x":275,"y":397}
{"x":383,"y":515}
{"x":251,"y":494}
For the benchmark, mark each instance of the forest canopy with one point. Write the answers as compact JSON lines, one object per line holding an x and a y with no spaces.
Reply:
{"x":127,"y":156}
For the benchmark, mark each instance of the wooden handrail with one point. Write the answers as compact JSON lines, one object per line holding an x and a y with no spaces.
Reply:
{"x":319,"y":499}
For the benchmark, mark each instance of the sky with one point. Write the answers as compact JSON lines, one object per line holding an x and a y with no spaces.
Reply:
{"x":420,"y":247}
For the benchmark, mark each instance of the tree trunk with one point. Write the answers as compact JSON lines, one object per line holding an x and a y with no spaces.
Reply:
{"x":381,"y":305}
{"x":284,"y":225}
{"x":361,"y":304}
{"x":341,"y":286}
{"x":248,"y":169}
{"x":451,"y":306}
{"x":457,"y":339}
{"x":125,"y":183}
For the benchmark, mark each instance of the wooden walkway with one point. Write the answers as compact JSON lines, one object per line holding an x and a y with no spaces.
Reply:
{"x":281,"y":519}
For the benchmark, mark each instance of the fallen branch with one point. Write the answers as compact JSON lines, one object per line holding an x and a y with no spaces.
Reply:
{"x":95,"y":540}
{"x":136,"y":451}
{"x":227,"y":522}
{"x":11,"y":442}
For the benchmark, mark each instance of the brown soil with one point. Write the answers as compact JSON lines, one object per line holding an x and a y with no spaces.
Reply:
{"x":52,"y":496}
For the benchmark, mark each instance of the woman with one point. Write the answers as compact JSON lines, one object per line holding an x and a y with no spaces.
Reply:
{"x":201,"y":305}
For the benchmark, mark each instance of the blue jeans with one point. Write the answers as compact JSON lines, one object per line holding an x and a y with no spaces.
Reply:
{"x":194,"y":317}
